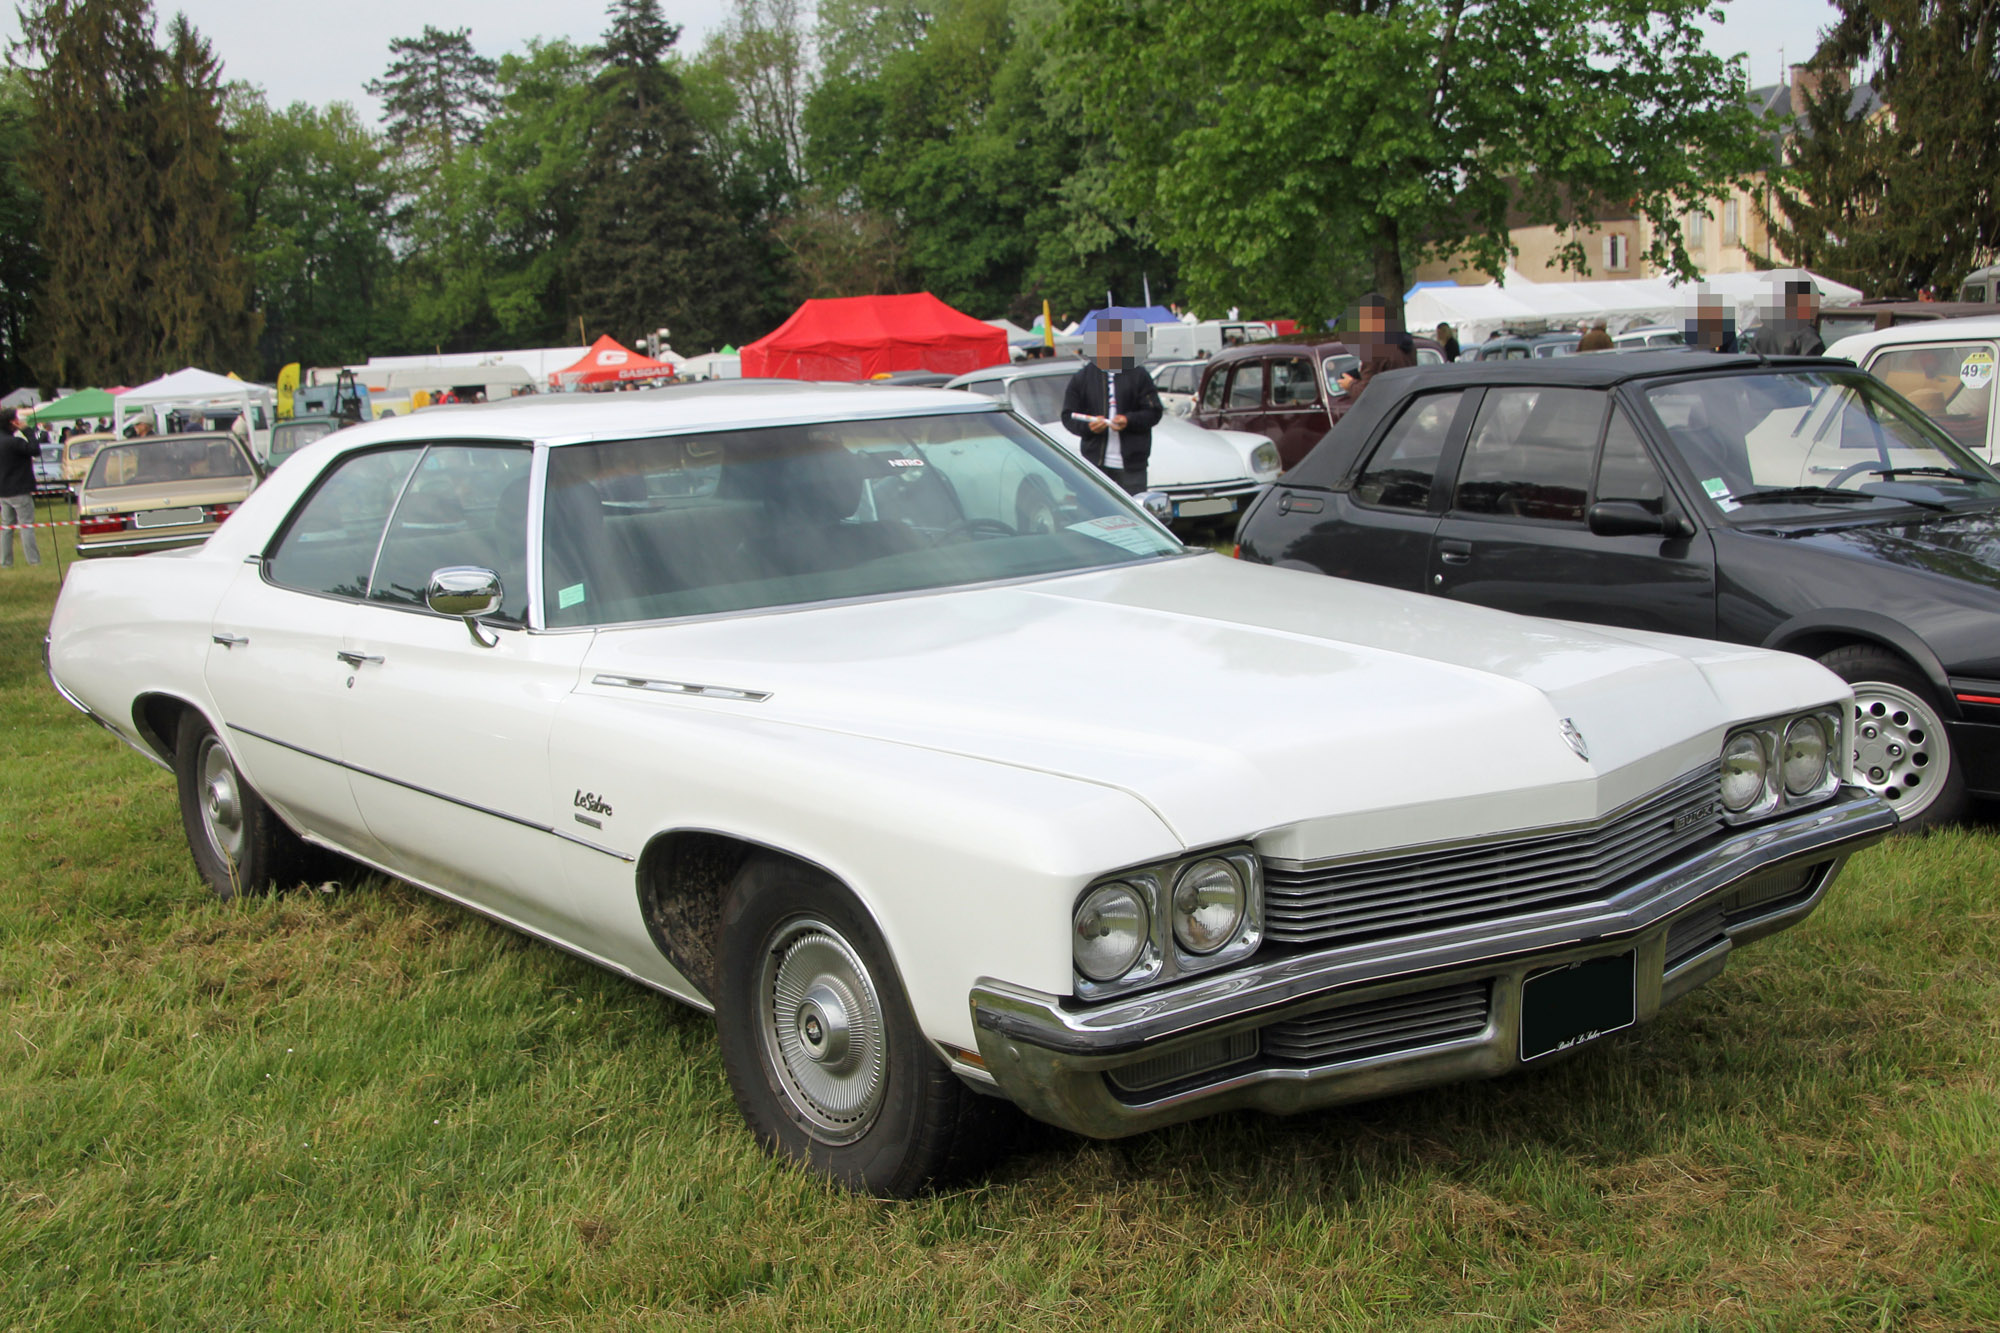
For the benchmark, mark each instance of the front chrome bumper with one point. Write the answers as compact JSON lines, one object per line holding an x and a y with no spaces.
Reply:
{"x":1057,"y":1059}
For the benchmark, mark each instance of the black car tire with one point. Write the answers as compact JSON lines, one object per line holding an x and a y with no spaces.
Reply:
{"x":826,"y":1060}
{"x":1034,"y":511}
{"x":1901,"y":749}
{"x":239,"y":844}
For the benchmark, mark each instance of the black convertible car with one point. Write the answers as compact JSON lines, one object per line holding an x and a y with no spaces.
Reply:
{"x":1787,"y":502}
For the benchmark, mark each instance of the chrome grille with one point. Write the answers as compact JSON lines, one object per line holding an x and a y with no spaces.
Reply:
{"x":1691,"y":934}
{"x":1382,"y":1027}
{"x":1421,"y":889}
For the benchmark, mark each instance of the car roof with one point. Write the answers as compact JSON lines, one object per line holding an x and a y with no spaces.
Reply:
{"x":1856,"y":345}
{"x":711,"y":405}
{"x":1062,"y":365}
{"x":1316,"y":348}
{"x":1335,"y":455}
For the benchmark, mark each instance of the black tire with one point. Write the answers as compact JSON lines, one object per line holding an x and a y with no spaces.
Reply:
{"x":1034,"y":511}
{"x":239,"y":845}
{"x":1902,"y":751}
{"x":826,"y":1060}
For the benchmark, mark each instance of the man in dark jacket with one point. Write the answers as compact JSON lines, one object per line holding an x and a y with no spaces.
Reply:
{"x":1112,"y":406}
{"x":17,"y":492}
{"x":1380,"y":343}
{"x":1793,"y":328}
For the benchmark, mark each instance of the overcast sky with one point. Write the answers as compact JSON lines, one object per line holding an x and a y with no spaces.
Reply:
{"x":321,"y":54}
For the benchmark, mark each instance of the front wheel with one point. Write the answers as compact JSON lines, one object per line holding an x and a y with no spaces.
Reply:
{"x":826,"y":1060}
{"x":239,"y":845}
{"x":1901,"y":750}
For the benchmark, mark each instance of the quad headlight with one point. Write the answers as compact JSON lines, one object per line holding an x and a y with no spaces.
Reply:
{"x":1158,"y":922}
{"x":1781,"y":763}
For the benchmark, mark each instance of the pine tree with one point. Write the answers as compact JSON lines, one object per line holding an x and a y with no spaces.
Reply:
{"x":437,"y":94}
{"x":1909,"y":199}
{"x":93,"y":74}
{"x":20,"y":230}
{"x":201,"y":308}
{"x":656,"y":242}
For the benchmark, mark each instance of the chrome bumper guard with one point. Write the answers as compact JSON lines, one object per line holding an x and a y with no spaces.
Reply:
{"x":1159,"y":1057}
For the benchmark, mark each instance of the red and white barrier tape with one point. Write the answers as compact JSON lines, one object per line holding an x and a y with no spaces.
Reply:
{"x":59,"y":523}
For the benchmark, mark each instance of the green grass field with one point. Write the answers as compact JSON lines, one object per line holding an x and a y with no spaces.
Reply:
{"x":364,"y":1108}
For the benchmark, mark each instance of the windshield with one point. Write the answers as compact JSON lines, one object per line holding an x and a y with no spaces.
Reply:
{"x":698,"y":524}
{"x":1039,"y":397}
{"x":1786,"y":443}
{"x":150,"y":462}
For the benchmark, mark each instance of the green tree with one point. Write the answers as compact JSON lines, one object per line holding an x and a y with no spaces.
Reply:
{"x":437,"y":93}
{"x":1908,"y":200}
{"x":313,"y":189}
{"x":201,"y":309}
{"x":20,"y":226}
{"x":1273,"y":143}
{"x":656,"y":242}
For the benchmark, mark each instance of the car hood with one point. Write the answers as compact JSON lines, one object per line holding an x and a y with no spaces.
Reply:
{"x":1965,"y":547}
{"x":1183,"y":454}
{"x":1235,"y":701}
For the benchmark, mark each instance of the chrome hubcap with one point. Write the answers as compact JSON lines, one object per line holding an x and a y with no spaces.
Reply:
{"x":821,"y":1025}
{"x":1899,"y":747}
{"x":221,"y":802}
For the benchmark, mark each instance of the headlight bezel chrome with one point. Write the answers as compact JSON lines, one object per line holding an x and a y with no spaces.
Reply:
{"x":1770,"y":735}
{"x":1165,"y":956}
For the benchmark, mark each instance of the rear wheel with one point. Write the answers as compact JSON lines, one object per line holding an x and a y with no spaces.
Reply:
{"x":1034,"y":511}
{"x":827,"y":1063}
{"x":239,"y":845}
{"x":1901,"y":750}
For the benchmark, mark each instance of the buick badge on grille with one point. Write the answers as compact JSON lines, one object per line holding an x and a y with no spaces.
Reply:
{"x":1575,"y":739}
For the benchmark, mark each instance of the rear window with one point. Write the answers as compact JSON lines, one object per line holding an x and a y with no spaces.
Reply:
{"x":152,"y":462}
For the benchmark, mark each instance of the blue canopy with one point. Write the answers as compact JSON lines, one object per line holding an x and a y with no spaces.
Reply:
{"x":1152,"y":314}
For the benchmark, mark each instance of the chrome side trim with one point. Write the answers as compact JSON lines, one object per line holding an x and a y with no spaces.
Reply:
{"x":426,"y":791}
{"x":680,"y":687}
{"x":1854,"y":819}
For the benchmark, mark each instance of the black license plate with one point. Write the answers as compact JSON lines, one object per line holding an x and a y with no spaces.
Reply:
{"x":1567,"y":1006}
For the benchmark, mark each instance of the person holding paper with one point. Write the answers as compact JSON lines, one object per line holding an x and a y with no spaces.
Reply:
{"x":1112,"y":405}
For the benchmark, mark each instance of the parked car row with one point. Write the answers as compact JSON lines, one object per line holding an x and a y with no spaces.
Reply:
{"x":783,"y":702}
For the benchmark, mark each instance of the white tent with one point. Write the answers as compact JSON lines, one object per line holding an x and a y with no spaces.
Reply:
{"x":1010,"y":328}
{"x":198,"y":388}
{"x":1515,"y":303}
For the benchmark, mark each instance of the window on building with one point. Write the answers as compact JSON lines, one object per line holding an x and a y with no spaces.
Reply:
{"x":1729,"y":223}
{"x":1617,"y":252}
{"x":1697,"y":229}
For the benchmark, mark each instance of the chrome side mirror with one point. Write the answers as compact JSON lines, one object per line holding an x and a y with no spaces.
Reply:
{"x":1159,"y":504}
{"x":468,"y":592}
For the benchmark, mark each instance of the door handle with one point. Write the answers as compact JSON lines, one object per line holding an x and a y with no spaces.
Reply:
{"x":1455,"y":552}
{"x":356,"y":659}
{"x":229,"y":640}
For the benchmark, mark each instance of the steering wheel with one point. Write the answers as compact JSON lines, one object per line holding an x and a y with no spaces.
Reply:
{"x":977,"y":527}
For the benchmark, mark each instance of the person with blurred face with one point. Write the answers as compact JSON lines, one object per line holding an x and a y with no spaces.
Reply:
{"x":1381,"y":344}
{"x":1112,"y":405}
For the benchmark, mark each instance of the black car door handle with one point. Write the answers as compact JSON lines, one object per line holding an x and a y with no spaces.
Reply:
{"x":356,"y":659}
{"x":1455,"y":552}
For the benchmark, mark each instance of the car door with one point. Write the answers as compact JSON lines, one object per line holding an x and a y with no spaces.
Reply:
{"x":1951,"y":383}
{"x":446,"y":734}
{"x":275,"y":665}
{"x":1515,"y":536}
{"x":1381,"y":529}
{"x":1296,"y":415}
{"x":1243,"y":404}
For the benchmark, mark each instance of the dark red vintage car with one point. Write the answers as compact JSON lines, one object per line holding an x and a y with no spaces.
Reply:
{"x":1288,"y":392}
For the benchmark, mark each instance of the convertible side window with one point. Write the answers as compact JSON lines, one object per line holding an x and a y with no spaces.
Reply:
{"x":466,"y":505}
{"x":1404,"y":465}
{"x":1624,"y":472}
{"x":330,"y":540}
{"x":1530,"y":454}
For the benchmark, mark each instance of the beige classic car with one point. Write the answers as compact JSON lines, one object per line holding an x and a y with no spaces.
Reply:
{"x":78,"y":450}
{"x":169,"y":490}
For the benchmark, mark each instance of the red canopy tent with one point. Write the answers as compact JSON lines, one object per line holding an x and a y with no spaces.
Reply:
{"x":609,"y":361}
{"x":859,"y":337}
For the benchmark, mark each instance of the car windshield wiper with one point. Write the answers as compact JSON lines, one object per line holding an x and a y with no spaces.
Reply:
{"x":1956,"y":473}
{"x":1806,"y":494}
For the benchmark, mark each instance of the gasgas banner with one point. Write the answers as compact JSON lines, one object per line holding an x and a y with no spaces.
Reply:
{"x":288,"y":384}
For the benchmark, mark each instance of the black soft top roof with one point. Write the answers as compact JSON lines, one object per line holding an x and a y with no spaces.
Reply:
{"x":1333,"y":458}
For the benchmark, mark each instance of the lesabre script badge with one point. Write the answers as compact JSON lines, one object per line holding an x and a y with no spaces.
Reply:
{"x":1575,"y":739}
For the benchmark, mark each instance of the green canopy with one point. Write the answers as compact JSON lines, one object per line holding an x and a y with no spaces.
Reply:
{"x":83,"y":403}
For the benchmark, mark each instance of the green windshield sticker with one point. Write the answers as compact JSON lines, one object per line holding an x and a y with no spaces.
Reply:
{"x":568,"y":597}
{"x":1717,"y":488}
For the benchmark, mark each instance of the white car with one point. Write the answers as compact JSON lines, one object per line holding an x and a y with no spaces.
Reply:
{"x":1945,"y":367}
{"x":1177,"y":382}
{"x":1193,"y":473}
{"x":734,"y":694}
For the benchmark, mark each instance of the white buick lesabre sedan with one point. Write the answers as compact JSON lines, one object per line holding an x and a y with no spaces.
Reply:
{"x":764,"y":699}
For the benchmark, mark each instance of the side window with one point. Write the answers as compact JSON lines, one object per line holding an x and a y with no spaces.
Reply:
{"x":330,"y":540}
{"x":1211,"y":389}
{"x":466,"y":505}
{"x":1952,"y":384}
{"x":1624,"y":472}
{"x":987,"y":388}
{"x":1400,"y":473}
{"x":1292,"y":384}
{"x":1246,"y":388}
{"x":1530,"y":454}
